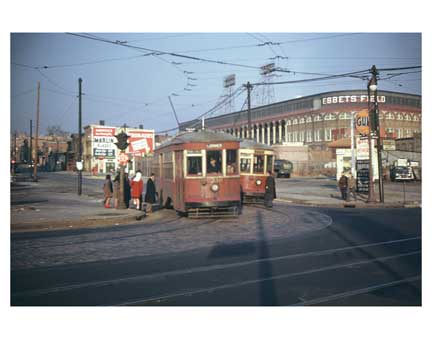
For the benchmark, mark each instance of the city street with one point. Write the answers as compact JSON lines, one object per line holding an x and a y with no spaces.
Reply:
{"x":290,"y":255}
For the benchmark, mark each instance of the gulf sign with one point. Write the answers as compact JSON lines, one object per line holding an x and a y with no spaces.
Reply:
{"x":140,"y":141}
{"x":362,"y":122}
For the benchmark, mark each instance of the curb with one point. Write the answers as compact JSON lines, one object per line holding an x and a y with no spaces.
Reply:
{"x":88,"y":222}
{"x":414,"y":204}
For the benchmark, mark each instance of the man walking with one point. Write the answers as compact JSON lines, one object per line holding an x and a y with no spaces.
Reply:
{"x":352,"y":187}
{"x":343,"y":185}
{"x":270,"y":190}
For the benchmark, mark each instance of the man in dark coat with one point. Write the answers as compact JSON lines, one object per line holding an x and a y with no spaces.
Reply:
{"x":270,"y":190}
{"x":343,"y":185}
{"x":150,"y":195}
{"x":126,"y":190}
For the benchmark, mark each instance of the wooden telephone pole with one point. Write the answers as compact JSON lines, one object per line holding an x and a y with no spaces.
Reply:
{"x":36,"y":151}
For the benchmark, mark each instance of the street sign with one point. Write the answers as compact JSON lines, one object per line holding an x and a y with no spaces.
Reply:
{"x":123,"y":159}
{"x":362,"y":121}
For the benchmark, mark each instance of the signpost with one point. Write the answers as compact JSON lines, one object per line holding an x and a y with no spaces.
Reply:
{"x":122,"y":144}
{"x":363,"y":171}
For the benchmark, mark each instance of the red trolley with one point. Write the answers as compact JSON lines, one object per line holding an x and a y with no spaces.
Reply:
{"x":197,"y":173}
{"x":255,"y":160}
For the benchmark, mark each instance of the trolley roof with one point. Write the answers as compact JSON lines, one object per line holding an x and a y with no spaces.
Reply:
{"x":199,"y":136}
{"x":251,"y":144}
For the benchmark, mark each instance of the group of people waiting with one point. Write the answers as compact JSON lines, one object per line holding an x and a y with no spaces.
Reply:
{"x":132,"y":191}
{"x":347,"y":186}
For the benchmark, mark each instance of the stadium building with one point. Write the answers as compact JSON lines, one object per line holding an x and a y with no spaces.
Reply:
{"x":317,"y":120}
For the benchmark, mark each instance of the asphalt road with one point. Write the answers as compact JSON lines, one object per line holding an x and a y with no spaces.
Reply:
{"x":331,"y":257}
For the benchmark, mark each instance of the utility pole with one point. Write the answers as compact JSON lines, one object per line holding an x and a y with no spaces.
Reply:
{"x":37,"y":134}
{"x":30,"y":156}
{"x":79,"y":136}
{"x":371,"y":194}
{"x":374,"y":83}
{"x":249,"y":87}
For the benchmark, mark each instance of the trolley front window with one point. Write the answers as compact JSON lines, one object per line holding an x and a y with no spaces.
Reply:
{"x":259,"y":164}
{"x":270,"y":163}
{"x":214,"y":162}
{"x":231,"y":161}
{"x":194,"y":165}
{"x":245,"y":165}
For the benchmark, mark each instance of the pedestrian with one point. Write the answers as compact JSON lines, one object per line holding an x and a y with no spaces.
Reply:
{"x":108,"y":191}
{"x":343,"y":185}
{"x":137,"y":189}
{"x":150,"y":195}
{"x":116,"y":191}
{"x":126,"y":190}
{"x":270,"y":190}
{"x":352,"y":187}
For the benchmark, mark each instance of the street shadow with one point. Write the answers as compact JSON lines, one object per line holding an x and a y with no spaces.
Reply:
{"x":267,"y":292}
{"x":382,"y":265}
{"x":232,"y":250}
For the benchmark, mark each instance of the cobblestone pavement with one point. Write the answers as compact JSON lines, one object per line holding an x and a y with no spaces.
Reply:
{"x":163,"y":232}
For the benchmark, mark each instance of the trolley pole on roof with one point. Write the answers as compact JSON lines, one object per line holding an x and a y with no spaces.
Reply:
{"x":249,"y":87}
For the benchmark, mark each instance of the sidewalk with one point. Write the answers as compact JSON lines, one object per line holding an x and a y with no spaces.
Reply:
{"x":53,"y":203}
{"x":323,"y":191}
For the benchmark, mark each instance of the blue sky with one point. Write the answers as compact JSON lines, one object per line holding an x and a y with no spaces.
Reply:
{"x":134,"y":89}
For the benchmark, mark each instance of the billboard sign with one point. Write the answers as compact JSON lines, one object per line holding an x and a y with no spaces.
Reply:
{"x":103,"y":140}
{"x":267,"y":69}
{"x":140,"y":141}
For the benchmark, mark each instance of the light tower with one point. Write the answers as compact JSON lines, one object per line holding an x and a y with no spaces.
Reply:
{"x":266,"y":94}
{"x":228,"y":84}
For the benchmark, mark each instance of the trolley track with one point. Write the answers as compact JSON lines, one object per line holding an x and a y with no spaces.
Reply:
{"x":228,"y":276}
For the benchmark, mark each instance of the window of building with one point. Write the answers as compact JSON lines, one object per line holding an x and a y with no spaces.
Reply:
{"x":258,"y":164}
{"x":301,"y":136}
{"x":309,"y":135}
{"x":301,"y":121}
{"x":231,"y":161}
{"x":309,"y":119}
{"x":295,"y":136}
{"x":399,"y":132}
{"x":214,"y":162}
{"x":389,"y":116}
{"x":330,"y":116}
{"x":399,"y":116}
{"x":288,"y":122}
{"x":194,"y":163}
{"x":317,"y":118}
{"x":408,"y":117}
{"x":317,"y":135}
{"x":408,"y":133}
{"x":295,"y":122}
{"x":289,"y":137}
{"x":328,"y":134}
{"x":415,"y":117}
{"x":345,"y":116}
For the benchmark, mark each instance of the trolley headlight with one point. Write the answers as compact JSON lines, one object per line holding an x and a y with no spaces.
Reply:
{"x":258,"y":182}
{"x":214,"y":187}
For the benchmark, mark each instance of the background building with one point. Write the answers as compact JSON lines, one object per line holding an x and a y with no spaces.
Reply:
{"x":318,"y":120}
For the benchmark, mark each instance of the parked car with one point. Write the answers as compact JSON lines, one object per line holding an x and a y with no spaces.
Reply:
{"x":401,"y":173}
{"x":283,"y":168}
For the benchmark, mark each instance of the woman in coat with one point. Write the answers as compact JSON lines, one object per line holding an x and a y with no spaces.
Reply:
{"x":108,"y":191}
{"x":137,"y":189}
{"x":270,"y":190}
{"x":150,"y":196}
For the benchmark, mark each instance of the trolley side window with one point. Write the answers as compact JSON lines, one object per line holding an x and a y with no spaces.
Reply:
{"x":245,"y":165}
{"x":231,"y":161}
{"x":270,"y":163}
{"x":214,"y":162}
{"x":194,"y":163}
{"x":259,"y":164}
